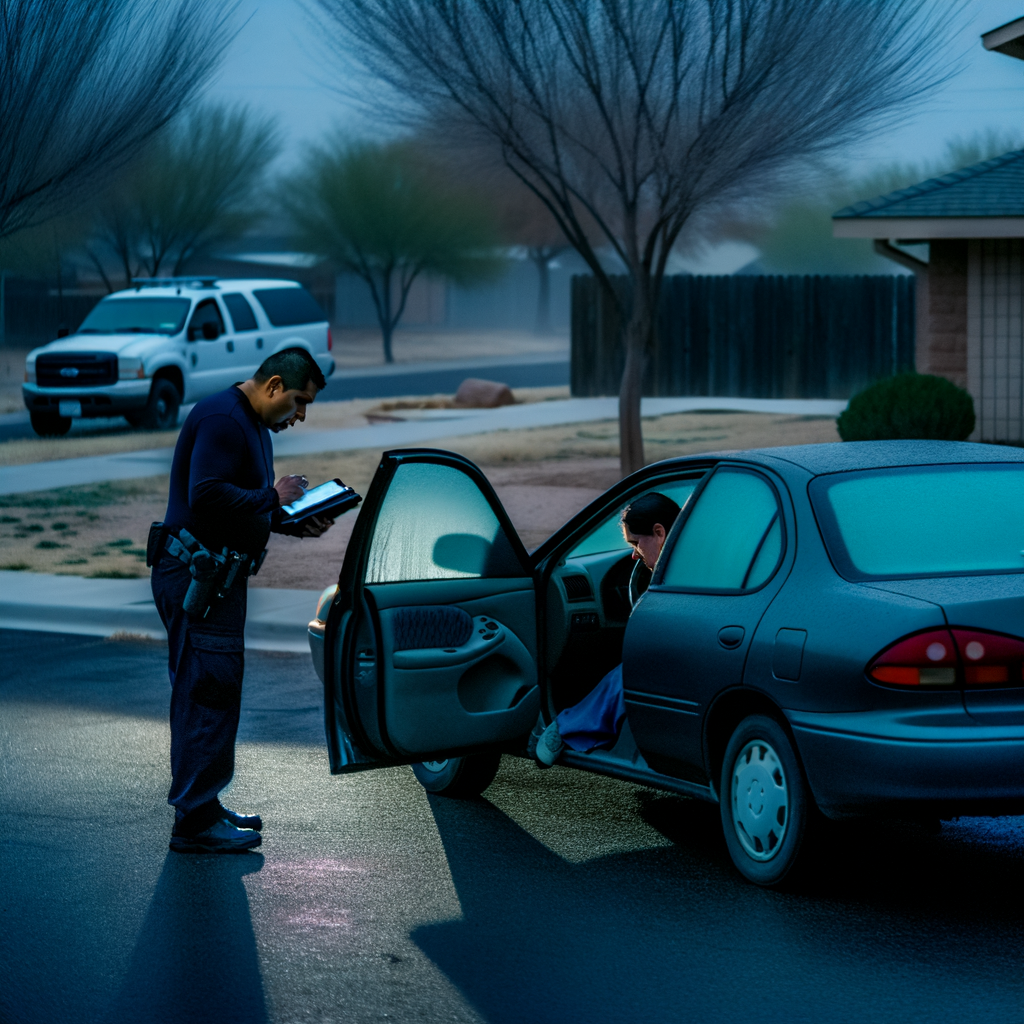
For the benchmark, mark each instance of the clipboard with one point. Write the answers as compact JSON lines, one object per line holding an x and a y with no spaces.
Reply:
{"x":331,"y":499}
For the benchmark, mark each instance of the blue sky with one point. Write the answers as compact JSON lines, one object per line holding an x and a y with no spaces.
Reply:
{"x":276,"y":64}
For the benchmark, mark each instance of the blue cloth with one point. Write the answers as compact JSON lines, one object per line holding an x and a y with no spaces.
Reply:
{"x":596,"y":720}
{"x":206,"y":659}
{"x":222,"y":476}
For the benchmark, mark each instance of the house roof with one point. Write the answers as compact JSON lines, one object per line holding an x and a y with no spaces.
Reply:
{"x":1008,"y":39}
{"x":985,"y":200}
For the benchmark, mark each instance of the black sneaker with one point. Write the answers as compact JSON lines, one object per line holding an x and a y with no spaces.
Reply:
{"x":220,"y":837}
{"x":253,"y":821}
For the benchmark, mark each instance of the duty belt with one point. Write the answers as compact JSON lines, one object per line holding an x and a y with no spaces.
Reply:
{"x":213,"y":575}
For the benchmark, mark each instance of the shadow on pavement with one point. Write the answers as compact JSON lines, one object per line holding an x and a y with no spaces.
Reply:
{"x":899,"y":925}
{"x":195,"y":959}
{"x":282,"y":699}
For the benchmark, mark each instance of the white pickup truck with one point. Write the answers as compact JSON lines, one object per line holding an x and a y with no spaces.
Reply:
{"x":144,"y":351}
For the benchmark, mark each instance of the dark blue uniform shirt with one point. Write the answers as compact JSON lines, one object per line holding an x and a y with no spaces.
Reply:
{"x":222,"y":477}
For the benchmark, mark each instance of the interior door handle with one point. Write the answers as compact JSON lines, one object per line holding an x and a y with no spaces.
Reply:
{"x":730,"y":637}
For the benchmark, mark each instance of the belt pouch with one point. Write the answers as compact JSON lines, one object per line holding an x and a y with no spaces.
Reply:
{"x":155,"y":543}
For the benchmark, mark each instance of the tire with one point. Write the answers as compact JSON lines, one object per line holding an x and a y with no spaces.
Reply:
{"x":50,"y":425}
{"x":161,"y":412}
{"x":764,"y":801}
{"x":458,"y":777}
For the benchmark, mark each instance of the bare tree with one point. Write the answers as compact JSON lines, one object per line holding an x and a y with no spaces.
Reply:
{"x":384,"y":213}
{"x":84,"y":85}
{"x":639,"y":116}
{"x":194,"y":186}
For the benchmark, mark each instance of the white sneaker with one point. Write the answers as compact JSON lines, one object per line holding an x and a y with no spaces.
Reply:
{"x":549,"y":746}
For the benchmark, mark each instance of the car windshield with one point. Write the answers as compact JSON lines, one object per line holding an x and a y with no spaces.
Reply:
{"x":923,"y":520}
{"x":136,"y":316}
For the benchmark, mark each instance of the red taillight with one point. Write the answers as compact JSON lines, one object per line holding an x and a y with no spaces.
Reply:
{"x":942,"y":658}
{"x":924,"y":659}
{"x":330,"y":340}
{"x":989,"y":659}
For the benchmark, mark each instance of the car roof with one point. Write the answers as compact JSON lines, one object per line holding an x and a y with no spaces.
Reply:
{"x":847,"y":456}
{"x":196,"y":288}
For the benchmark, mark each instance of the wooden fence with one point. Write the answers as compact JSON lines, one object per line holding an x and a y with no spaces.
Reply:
{"x":751,"y":336}
{"x":31,"y":315}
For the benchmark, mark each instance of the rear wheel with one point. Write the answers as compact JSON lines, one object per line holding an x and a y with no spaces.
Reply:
{"x":161,"y":412}
{"x":765,"y":802}
{"x":459,"y":777}
{"x":47,"y":424}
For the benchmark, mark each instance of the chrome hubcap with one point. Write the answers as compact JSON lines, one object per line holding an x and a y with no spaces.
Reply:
{"x":435,"y":766}
{"x":760,"y":800}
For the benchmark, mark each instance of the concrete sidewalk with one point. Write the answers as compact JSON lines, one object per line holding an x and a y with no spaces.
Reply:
{"x":40,"y":476}
{"x":276,"y":621}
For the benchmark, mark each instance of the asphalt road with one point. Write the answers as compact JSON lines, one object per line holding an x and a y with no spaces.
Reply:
{"x":421,"y":379}
{"x":560,"y":897}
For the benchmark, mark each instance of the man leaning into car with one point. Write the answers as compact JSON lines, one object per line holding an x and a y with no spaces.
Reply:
{"x":223,"y":502}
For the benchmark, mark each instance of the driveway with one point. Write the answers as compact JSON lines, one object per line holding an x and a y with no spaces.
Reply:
{"x":560,"y":897}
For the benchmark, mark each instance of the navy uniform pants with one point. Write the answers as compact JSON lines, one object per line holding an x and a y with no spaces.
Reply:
{"x":205,"y":662}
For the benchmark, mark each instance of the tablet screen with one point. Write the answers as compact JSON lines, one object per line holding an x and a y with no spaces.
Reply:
{"x":313,"y":497}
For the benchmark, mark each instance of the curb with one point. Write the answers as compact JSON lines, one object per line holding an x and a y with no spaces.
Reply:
{"x":277,"y":619}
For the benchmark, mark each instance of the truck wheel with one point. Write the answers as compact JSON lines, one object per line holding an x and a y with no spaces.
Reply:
{"x":48,"y":424}
{"x":161,"y":412}
{"x":459,"y":777}
{"x":765,"y":802}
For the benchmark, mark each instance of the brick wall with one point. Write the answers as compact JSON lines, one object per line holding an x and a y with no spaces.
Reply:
{"x":945,"y":345}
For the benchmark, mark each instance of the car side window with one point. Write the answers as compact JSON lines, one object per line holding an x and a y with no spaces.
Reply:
{"x":436,"y":524}
{"x":205,"y":312}
{"x":242,"y":316}
{"x":733,"y":539}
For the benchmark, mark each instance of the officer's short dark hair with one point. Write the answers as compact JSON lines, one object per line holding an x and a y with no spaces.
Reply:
{"x":295,"y":366}
{"x":641,"y":515}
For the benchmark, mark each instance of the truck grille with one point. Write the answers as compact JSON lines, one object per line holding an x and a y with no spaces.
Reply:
{"x":76,"y":370}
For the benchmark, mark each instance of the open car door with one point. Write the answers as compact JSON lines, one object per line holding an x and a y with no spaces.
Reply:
{"x":431,"y":643}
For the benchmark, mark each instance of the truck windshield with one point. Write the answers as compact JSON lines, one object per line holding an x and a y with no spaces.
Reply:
{"x":136,"y":316}
{"x":913,"y":521}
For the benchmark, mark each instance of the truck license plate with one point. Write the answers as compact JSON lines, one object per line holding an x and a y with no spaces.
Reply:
{"x":72,"y":409}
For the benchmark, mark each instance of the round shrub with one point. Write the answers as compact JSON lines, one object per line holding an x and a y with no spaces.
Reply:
{"x":908,"y":406}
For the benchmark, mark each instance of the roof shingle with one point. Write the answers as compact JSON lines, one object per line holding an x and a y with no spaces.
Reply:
{"x":994,"y":188}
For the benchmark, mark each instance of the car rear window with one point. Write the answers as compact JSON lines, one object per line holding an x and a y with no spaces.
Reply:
{"x":136,"y":316}
{"x":286,"y":307}
{"x":923,"y":520}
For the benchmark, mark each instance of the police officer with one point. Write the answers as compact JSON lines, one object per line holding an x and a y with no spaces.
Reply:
{"x":222,"y":496}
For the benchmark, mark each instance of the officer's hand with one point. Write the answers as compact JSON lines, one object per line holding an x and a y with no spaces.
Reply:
{"x":316,"y":526}
{"x":289,"y":488}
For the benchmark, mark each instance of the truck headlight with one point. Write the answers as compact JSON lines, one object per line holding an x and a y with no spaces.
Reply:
{"x":130,"y":369}
{"x":30,"y":371}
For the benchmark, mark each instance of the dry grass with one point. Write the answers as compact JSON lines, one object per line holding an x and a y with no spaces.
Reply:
{"x":323,"y":416}
{"x":543,"y":476}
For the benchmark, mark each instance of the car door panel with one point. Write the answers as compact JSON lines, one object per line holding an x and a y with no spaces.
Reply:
{"x":445,"y":698}
{"x":437,"y":654}
{"x":213,"y":363}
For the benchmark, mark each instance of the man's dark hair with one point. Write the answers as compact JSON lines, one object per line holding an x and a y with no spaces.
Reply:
{"x":641,"y":515}
{"x":295,"y":366}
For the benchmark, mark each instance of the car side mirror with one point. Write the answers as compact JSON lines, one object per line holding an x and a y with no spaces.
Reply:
{"x":62,"y":332}
{"x":210,"y":330}
{"x":462,"y":552}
